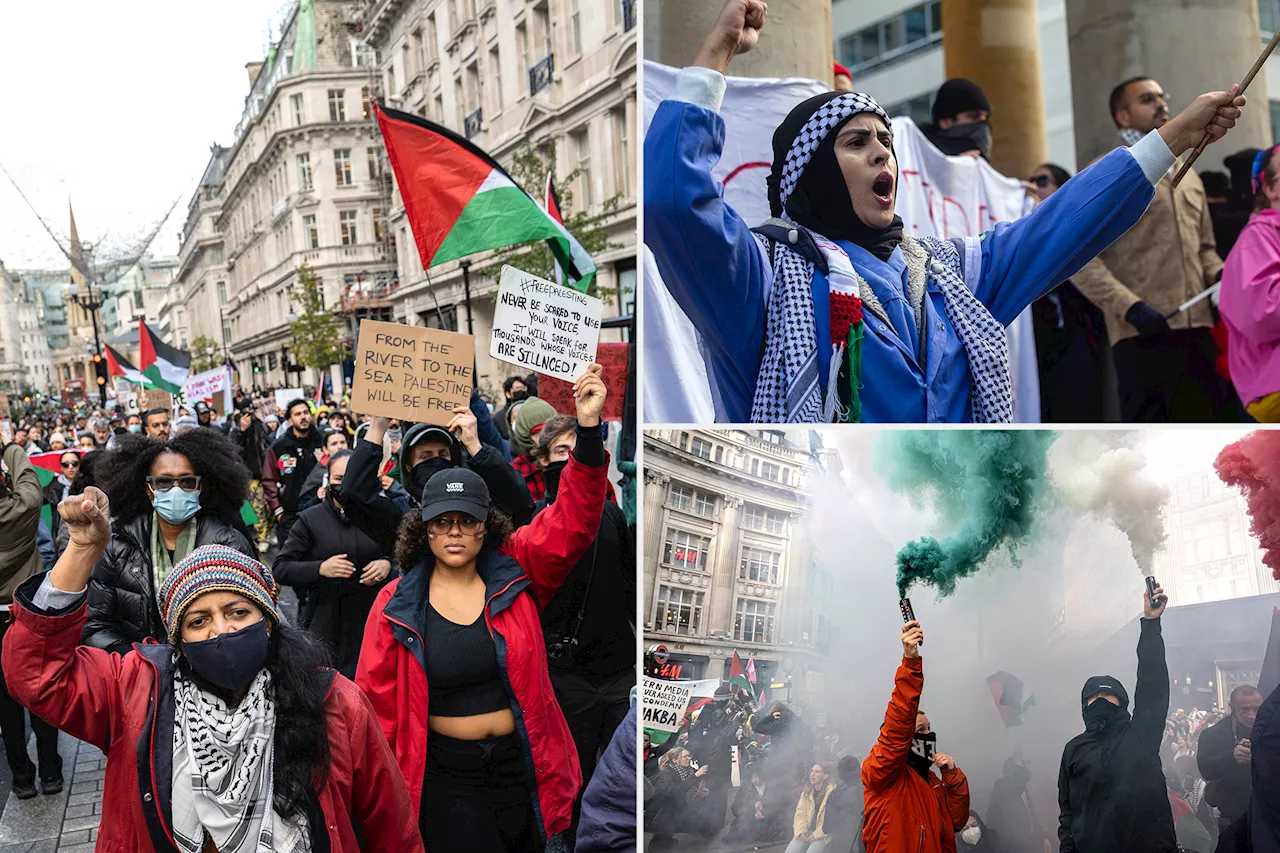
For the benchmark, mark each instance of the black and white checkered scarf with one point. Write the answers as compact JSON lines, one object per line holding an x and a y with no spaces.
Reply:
{"x":787,"y":387}
{"x":222,"y":773}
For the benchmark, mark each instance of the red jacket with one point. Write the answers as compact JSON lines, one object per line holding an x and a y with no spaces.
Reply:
{"x":904,"y":812}
{"x":124,"y":705}
{"x":520,"y":579}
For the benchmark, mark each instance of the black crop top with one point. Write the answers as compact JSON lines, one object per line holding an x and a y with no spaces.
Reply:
{"x":462,"y":668}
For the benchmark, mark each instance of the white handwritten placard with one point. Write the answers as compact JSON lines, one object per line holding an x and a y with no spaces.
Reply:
{"x":543,"y":326}
{"x":662,"y":704}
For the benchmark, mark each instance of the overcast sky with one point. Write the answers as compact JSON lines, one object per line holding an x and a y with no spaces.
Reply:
{"x":115,"y":105}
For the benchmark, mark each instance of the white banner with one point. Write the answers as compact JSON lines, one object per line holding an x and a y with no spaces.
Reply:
{"x":937,"y":196}
{"x":203,"y":386}
{"x":662,"y":704}
{"x":284,"y":395}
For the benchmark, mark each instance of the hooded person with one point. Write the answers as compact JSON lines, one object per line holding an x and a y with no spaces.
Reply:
{"x":425,"y":450}
{"x":791,"y":747}
{"x":960,"y":114}
{"x":907,"y":806}
{"x":1111,"y":788}
{"x":831,"y":310}
{"x":229,"y":735}
{"x":532,"y":414}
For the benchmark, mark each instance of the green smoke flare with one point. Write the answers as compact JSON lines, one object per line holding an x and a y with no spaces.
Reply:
{"x":987,"y":485}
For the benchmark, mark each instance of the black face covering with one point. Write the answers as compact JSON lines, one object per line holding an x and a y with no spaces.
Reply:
{"x":1101,"y":713}
{"x":518,"y":396}
{"x":551,"y":478}
{"x":422,"y":472}
{"x":960,"y":138}
{"x":230,"y":661}
{"x":923,"y":748}
{"x":820,"y":201}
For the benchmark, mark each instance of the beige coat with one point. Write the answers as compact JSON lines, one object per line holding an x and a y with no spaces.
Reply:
{"x":804,"y":810}
{"x":1165,"y":259}
{"x":19,"y":521}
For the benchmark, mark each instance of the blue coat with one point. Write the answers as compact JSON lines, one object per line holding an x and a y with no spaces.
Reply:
{"x":608,"y":821}
{"x":1264,"y":810}
{"x":715,"y":271}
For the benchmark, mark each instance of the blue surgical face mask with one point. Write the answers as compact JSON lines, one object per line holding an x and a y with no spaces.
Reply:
{"x":135,"y":427}
{"x":176,"y":506}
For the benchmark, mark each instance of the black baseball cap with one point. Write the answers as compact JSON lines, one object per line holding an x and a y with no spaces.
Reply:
{"x":455,"y":490}
{"x":202,"y":407}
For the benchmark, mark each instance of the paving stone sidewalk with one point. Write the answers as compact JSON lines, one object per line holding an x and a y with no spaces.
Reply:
{"x":60,"y":823}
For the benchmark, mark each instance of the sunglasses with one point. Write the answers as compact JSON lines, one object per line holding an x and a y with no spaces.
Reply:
{"x":164,"y":484}
{"x":1040,"y":180}
{"x":467,"y":526}
{"x":71,"y":464}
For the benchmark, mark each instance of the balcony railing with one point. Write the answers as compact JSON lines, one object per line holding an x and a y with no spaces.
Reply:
{"x":628,"y":15}
{"x":471,"y":124}
{"x":540,"y":74}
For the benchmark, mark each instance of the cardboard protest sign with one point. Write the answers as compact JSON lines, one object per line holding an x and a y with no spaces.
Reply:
{"x":545,"y":327}
{"x":4,"y":405}
{"x":412,"y":372}
{"x":612,"y":357}
{"x":663,"y":703}
{"x":285,"y":395}
{"x":154,"y":398}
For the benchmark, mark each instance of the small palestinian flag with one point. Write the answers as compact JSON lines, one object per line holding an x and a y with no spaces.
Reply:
{"x":738,"y":676}
{"x":166,"y":368}
{"x":1006,"y":690}
{"x":459,"y":201}
{"x":118,"y":365}
{"x":585,"y":265}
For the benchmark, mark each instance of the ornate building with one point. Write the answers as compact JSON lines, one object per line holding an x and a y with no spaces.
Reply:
{"x":726,"y":564}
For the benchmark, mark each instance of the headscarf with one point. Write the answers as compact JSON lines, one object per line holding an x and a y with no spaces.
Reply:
{"x":806,"y":183}
{"x":534,"y":412}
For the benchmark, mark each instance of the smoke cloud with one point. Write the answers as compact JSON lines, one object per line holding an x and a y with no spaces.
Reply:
{"x":985,"y":484}
{"x":1253,"y":464}
{"x":1102,"y":474}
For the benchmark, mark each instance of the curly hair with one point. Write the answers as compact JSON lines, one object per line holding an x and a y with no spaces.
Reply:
{"x":297,"y":662}
{"x":413,"y":546}
{"x":224,"y":484}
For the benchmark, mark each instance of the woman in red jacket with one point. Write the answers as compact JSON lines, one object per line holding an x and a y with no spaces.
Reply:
{"x":232,"y":737}
{"x":489,"y":761}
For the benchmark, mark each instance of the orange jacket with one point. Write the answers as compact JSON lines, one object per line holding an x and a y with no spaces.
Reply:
{"x":904,"y":812}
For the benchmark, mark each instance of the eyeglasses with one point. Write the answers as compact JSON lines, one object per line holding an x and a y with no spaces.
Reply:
{"x":1149,"y":98}
{"x":164,"y":484}
{"x":1040,"y":180}
{"x":442,"y":525}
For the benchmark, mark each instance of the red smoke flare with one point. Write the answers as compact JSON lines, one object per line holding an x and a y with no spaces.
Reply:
{"x":1253,"y":464}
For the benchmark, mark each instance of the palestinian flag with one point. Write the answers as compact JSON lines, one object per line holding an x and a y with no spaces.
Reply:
{"x":581,"y":259}
{"x":738,"y":676}
{"x":459,"y":201}
{"x":166,"y":368}
{"x":118,"y":365}
{"x":1007,"y":690}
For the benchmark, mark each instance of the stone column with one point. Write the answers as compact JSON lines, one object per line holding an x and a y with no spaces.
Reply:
{"x":1188,"y":46}
{"x":724,"y":568}
{"x":796,"y":41}
{"x":996,"y":44}
{"x":655,"y":495}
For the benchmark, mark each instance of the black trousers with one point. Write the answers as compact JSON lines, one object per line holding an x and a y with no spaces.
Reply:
{"x":594,"y":706}
{"x":13,"y":727}
{"x":1168,"y":378}
{"x":476,"y":797}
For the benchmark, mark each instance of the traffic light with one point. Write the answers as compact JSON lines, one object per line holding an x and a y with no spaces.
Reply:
{"x":100,"y":369}
{"x":257,"y":368}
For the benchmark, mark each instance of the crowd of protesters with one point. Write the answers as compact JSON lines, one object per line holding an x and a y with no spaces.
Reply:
{"x":1138,"y":778}
{"x":460,"y":668}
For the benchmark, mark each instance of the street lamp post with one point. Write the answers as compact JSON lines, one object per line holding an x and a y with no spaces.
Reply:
{"x":91,"y":305}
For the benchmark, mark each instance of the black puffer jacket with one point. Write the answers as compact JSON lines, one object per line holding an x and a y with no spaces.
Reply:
{"x":1112,"y":794}
{"x":336,"y":609}
{"x":122,"y":594}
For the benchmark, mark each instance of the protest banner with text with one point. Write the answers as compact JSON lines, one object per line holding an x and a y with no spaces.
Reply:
{"x":211,"y":385}
{"x":543,"y":326}
{"x":286,"y":395}
{"x":412,"y":372}
{"x":664,"y":703}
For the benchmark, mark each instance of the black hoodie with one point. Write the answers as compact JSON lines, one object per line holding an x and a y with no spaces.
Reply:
{"x":1111,"y":790}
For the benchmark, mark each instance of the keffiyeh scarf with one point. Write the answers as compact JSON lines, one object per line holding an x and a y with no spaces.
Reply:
{"x":222,"y":773}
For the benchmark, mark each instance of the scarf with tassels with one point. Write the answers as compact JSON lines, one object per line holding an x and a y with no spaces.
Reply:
{"x":787,"y":386}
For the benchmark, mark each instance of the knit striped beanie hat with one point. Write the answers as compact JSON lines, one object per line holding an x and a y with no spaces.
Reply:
{"x":211,"y":568}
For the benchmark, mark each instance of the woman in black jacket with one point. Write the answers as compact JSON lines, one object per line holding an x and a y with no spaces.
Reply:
{"x":344,"y":568}
{"x":60,"y":486}
{"x":170,"y":498}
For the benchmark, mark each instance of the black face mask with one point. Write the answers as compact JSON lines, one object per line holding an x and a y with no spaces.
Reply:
{"x":230,"y":661}
{"x":551,"y":478}
{"x":422,"y":472}
{"x":1101,"y":713}
{"x":923,"y":748}
{"x":518,"y":396}
{"x":960,"y":138}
